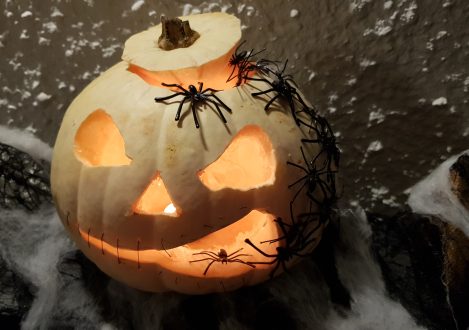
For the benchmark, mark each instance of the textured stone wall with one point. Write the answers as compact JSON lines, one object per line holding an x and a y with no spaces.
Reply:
{"x":392,"y":76}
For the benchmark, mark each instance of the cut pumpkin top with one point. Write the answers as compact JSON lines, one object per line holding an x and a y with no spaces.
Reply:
{"x":219,"y":34}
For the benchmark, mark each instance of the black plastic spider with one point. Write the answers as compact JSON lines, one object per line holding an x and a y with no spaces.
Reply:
{"x":283,"y":255}
{"x":326,"y":209}
{"x":223,"y":257}
{"x":296,"y":233}
{"x":315,"y":119}
{"x":241,"y":60}
{"x":195,"y":96}
{"x":283,"y":86}
{"x":326,"y":138}
{"x":313,"y":178}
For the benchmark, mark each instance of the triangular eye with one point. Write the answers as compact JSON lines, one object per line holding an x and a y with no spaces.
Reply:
{"x":247,"y":163}
{"x":155,"y":200}
{"x":99,"y":143}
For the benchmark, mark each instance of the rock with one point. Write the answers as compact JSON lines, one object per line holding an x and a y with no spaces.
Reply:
{"x":459,"y":179}
{"x":15,"y":297}
{"x":23,"y":181}
{"x":456,"y":247}
{"x":456,"y":272}
{"x":409,"y":250}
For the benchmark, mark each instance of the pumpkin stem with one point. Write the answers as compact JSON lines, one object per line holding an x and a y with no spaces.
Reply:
{"x":176,"y":34}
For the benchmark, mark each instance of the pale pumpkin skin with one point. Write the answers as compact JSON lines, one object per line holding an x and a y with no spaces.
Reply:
{"x":154,"y":252}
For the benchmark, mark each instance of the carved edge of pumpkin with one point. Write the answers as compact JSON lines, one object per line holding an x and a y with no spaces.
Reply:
{"x":143,"y":257}
{"x":219,"y":35}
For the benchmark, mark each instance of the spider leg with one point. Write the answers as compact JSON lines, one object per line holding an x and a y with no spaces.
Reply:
{"x":257,"y":249}
{"x":319,"y":154}
{"x":160,"y":99}
{"x":284,"y":66}
{"x":292,"y":109}
{"x":280,"y":221}
{"x":312,"y":232}
{"x":194,"y":115}
{"x":255,"y":54}
{"x":239,"y":255}
{"x":242,"y":262}
{"x":221,"y":102}
{"x":178,"y":113}
{"x":210,"y":90}
{"x":234,"y":252}
{"x":283,"y":226}
{"x":263,"y":92}
{"x":309,"y":126}
{"x":274,"y":240}
{"x":321,"y":186}
{"x":207,"y":253}
{"x":259,"y":79}
{"x":218,"y":110}
{"x":311,"y":141}
{"x":232,"y":76}
{"x":210,"y":264}
{"x":298,"y":166}
{"x":310,"y":195}
{"x":300,"y":99}
{"x":201,"y":85}
{"x":297,"y":181}
{"x":239,"y":46}
{"x":177,"y":86}
{"x":267,"y":106}
{"x":201,"y":260}
{"x":298,"y":191}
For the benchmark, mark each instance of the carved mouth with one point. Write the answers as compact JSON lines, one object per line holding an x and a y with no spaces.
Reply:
{"x":257,"y":226}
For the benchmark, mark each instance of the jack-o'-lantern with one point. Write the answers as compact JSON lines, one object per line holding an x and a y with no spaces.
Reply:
{"x":231,"y":193}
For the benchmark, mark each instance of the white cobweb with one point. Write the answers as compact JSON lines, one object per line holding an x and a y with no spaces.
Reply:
{"x":33,"y":245}
{"x":433,"y":196}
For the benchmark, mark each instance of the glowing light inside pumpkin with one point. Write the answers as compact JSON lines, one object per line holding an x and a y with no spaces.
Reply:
{"x":213,"y":75}
{"x":257,"y":225}
{"x":99,"y":143}
{"x":170,"y":209}
{"x":247,"y":163}
{"x":155,"y":200}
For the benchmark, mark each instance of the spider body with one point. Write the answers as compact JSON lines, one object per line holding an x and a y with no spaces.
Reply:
{"x":283,"y":255}
{"x":223,"y":257}
{"x":295,"y":233}
{"x":326,"y":138}
{"x":313,"y":179}
{"x":241,"y":61}
{"x":195,"y":96}
{"x":283,"y":87}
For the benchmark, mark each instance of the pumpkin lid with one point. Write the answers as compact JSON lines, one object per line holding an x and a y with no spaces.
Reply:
{"x":219,"y":33}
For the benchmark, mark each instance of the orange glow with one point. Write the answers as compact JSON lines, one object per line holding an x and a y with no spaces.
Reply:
{"x":99,"y":143}
{"x":216,"y":80}
{"x":247,"y":163}
{"x":155,"y":200}
{"x":257,"y":226}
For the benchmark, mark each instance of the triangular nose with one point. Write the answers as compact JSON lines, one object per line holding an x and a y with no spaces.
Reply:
{"x":155,"y":200}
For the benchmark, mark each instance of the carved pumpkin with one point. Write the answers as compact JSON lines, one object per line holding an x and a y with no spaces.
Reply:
{"x":163,"y":205}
